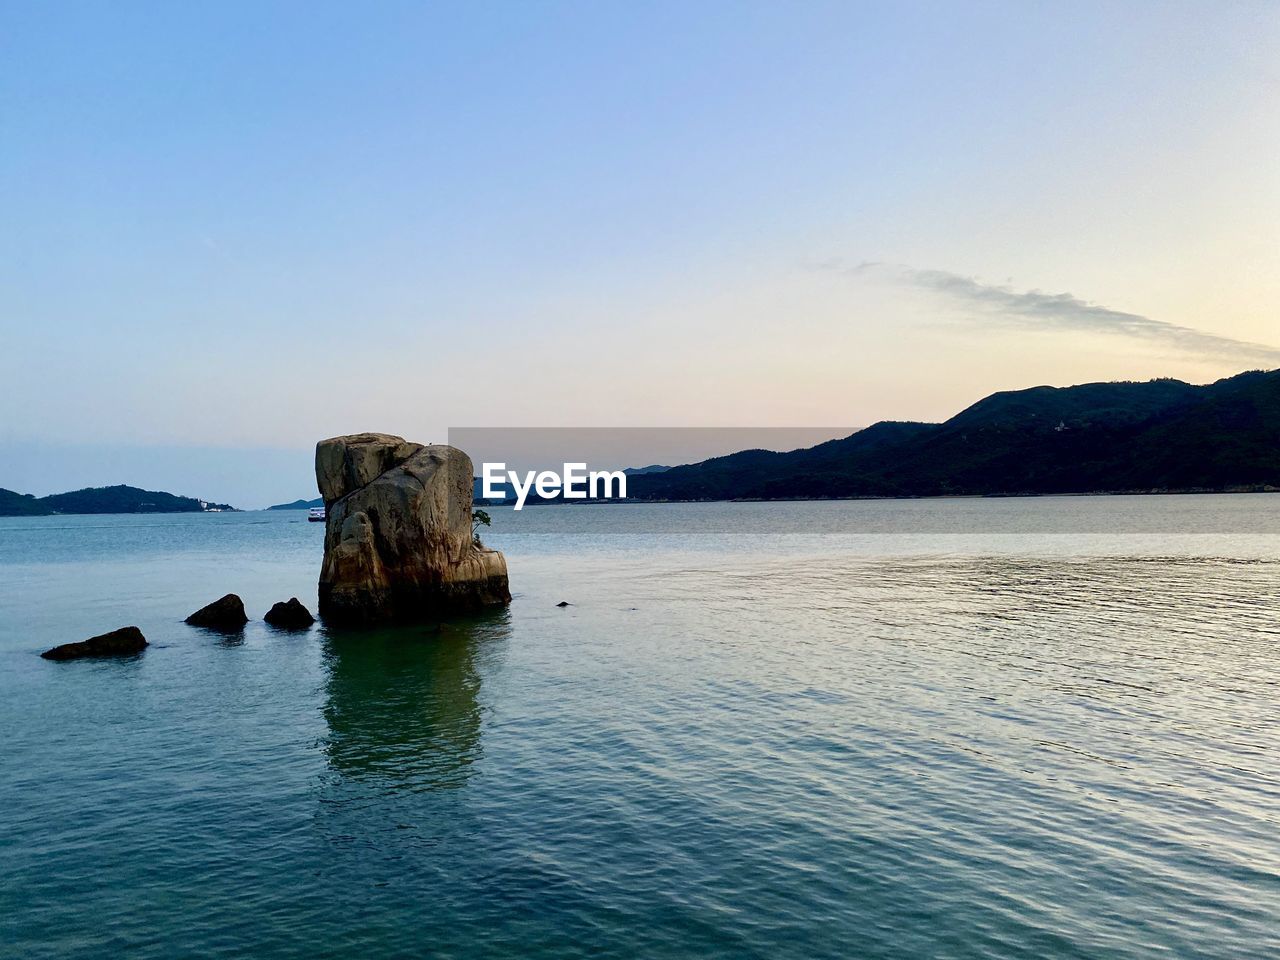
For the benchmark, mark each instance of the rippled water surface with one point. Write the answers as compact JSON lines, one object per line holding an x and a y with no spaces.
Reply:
{"x":971,"y":728}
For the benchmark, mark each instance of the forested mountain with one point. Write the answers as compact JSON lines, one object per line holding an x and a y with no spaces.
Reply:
{"x":1159,"y":435}
{"x":117,"y":499}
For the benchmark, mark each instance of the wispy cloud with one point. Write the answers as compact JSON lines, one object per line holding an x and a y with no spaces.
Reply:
{"x":1034,"y":309}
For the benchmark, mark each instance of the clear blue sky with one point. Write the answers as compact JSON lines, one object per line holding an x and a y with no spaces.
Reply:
{"x":231,"y":229}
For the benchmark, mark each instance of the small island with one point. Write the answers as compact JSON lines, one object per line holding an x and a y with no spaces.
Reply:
{"x":94,"y":500}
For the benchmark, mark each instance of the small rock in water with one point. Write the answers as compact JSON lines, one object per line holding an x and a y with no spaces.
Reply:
{"x":291,"y":616}
{"x":225,"y":614}
{"x":117,"y":643}
{"x":564,"y":603}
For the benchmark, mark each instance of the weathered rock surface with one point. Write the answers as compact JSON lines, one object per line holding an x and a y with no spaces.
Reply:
{"x":289,"y":616}
{"x":224,"y":614}
{"x":117,"y":643}
{"x":398,"y":542}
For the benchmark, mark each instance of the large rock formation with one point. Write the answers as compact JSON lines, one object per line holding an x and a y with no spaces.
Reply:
{"x":398,"y":541}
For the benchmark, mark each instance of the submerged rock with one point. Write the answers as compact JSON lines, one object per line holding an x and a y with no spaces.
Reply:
{"x":289,"y":616}
{"x":224,"y":614}
{"x":398,"y":542}
{"x":564,"y":603}
{"x":117,"y":643}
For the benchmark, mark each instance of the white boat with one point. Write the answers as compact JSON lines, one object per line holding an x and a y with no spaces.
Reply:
{"x":316,"y":514}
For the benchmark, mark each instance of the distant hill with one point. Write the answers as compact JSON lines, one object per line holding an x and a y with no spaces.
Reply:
{"x":1157,"y":436}
{"x":299,"y":504}
{"x":117,"y":499}
{"x":477,"y":491}
{"x":652,"y":468}
{"x":508,"y":494}
{"x":20,"y":505}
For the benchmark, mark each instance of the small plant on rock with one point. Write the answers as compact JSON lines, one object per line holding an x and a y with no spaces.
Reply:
{"x":479,"y":518}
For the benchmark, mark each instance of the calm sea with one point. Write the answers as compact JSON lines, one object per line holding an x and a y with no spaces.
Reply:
{"x":967,"y":728}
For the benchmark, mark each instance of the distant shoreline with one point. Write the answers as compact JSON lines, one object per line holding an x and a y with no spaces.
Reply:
{"x":634,"y":501}
{"x":631,"y":501}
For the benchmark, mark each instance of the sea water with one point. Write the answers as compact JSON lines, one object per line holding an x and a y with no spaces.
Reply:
{"x":898,"y":729}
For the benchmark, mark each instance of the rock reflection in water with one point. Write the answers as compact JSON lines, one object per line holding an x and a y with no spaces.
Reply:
{"x":403,"y":703}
